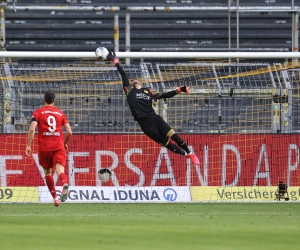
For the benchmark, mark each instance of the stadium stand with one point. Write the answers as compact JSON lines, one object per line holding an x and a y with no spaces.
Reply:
{"x":61,"y":30}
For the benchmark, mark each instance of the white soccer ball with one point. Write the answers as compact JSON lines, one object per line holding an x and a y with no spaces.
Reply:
{"x":102,"y":53}
{"x":104,"y":175}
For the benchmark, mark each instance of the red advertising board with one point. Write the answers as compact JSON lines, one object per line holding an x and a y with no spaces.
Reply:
{"x":135,"y":160}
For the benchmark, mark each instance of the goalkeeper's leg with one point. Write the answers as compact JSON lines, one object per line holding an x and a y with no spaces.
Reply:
{"x":181,"y":143}
{"x":175,"y":149}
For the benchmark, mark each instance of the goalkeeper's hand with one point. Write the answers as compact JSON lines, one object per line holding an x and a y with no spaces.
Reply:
{"x":185,"y":89}
{"x":112,"y":57}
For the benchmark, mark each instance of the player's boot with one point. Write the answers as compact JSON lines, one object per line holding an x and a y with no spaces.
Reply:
{"x":188,"y":91}
{"x":64,"y":193}
{"x":193,"y":158}
{"x":56,"y":202}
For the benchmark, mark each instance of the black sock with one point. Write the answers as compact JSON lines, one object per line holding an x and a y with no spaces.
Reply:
{"x":175,"y":149}
{"x":180,"y":142}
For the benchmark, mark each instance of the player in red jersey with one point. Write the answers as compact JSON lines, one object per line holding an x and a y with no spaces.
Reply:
{"x":52,"y":144}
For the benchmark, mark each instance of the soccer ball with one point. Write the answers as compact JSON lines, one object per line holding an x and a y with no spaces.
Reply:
{"x":104,"y":174}
{"x":102,"y":53}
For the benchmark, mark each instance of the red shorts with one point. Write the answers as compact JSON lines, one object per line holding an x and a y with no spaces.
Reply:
{"x":48,"y":159}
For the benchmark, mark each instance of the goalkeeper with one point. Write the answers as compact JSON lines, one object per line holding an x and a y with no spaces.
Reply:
{"x":140,"y":104}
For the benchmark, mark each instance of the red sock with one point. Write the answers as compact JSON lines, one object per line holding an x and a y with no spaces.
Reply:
{"x":63,"y":178}
{"x":50,"y":185}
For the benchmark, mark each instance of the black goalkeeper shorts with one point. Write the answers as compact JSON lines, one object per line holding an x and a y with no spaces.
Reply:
{"x":156,"y":128}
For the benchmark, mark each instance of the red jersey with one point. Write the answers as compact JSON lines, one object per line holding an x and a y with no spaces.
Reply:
{"x":50,"y":123}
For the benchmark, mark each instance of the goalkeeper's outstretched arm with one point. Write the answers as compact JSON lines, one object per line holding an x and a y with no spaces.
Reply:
{"x":125,"y":80}
{"x":112,"y":57}
{"x":126,"y":85}
{"x":159,"y":95}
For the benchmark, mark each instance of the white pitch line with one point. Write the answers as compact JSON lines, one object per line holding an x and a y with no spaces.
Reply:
{"x":119,"y":214}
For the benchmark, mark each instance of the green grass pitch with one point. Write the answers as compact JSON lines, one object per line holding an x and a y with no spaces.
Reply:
{"x":171,"y":226}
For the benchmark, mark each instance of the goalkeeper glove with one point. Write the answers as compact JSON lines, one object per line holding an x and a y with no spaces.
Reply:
{"x":112,"y":57}
{"x":183,"y":89}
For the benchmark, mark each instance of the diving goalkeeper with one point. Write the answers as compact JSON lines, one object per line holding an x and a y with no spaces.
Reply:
{"x":153,"y":125}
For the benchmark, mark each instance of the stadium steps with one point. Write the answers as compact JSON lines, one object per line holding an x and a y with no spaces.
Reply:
{"x":83,"y":31}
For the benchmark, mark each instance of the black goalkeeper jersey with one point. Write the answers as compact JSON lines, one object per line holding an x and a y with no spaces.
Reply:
{"x":140,"y":100}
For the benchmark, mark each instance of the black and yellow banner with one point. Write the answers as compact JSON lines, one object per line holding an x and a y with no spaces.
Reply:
{"x":242,"y":194}
{"x":19,"y":194}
